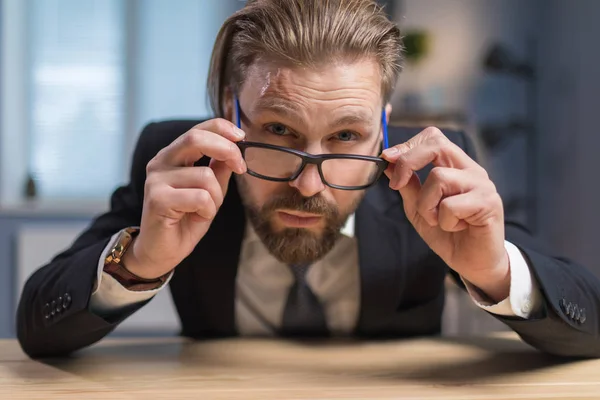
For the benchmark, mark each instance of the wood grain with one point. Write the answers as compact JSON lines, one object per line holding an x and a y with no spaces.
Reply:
{"x":495,"y":367}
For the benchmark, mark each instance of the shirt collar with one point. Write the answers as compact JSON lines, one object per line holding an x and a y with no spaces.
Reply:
{"x":348,"y":228}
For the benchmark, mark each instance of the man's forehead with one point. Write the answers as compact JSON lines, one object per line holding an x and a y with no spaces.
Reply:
{"x":267,"y":84}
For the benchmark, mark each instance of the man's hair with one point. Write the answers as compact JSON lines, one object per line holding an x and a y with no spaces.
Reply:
{"x":307,"y":33}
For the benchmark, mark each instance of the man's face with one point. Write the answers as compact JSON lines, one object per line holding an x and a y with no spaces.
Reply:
{"x":330,"y":110}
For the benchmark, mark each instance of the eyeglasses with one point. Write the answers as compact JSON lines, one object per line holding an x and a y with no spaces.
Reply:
{"x":338,"y":171}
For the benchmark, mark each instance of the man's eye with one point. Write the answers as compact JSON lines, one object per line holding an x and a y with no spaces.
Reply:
{"x":278,"y":129}
{"x":346,"y":136}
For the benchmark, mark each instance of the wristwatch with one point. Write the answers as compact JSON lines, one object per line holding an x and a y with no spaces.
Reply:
{"x":113,"y":264}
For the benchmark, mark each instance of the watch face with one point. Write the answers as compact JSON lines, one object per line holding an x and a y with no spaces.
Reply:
{"x":121,"y":245}
{"x":114,"y":267}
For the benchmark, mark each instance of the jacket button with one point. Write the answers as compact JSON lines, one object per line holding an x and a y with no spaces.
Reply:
{"x":47,"y":311}
{"x":563,"y":304}
{"x":568,"y":308}
{"x":574,"y":311}
{"x":58,"y":307}
{"x":66,"y":301}
{"x":582,"y":316}
{"x":53,"y":308}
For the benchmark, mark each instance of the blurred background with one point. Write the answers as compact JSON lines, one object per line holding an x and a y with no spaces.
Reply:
{"x":80,"y":78}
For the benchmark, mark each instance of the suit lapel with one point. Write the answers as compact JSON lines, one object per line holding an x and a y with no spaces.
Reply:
{"x":381,"y":226}
{"x":214,"y":266}
{"x":383,"y":232}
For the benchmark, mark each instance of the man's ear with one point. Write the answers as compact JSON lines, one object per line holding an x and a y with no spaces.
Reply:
{"x":227,"y":105}
{"x":388,"y":112}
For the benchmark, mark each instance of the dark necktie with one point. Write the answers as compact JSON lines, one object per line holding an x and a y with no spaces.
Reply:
{"x":303,"y":314}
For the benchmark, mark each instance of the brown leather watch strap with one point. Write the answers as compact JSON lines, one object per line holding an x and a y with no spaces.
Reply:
{"x":130,"y":281}
{"x":113,"y":265}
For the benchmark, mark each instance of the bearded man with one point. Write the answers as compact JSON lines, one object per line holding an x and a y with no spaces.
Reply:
{"x":296,"y":212}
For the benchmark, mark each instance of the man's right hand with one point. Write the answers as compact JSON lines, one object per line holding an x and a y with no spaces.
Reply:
{"x":180,"y":200}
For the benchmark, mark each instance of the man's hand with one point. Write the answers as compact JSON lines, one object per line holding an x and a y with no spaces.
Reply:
{"x":457,"y":210}
{"x":180,"y":200}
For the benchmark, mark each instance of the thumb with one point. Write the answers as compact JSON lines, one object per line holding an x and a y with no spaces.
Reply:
{"x":410,"y":193}
{"x":222,"y":173}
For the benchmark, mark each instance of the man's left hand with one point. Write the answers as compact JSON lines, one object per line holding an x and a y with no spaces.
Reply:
{"x":457,"y":210}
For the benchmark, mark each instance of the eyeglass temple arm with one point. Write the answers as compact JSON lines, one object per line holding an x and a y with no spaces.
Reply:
{"x":385,"y":129}
{"x":237,"y":113}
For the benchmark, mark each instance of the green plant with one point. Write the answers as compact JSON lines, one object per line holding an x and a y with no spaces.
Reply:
{"x":416,"y":45}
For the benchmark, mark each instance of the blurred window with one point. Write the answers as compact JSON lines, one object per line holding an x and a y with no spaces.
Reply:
{"x":81,"y":78}
{"x":77,"y":95}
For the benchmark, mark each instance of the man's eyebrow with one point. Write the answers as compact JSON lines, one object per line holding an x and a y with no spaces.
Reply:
{"x":358,"y":118}
{"x":279,"y":106}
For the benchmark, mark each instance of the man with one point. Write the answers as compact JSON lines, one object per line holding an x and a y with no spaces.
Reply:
{"x":284,"y":217}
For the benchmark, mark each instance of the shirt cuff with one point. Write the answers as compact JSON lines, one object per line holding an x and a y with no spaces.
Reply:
{"x":109,"y":296}
{"x":524,"y":298}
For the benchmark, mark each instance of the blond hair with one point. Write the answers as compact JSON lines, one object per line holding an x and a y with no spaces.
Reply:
{"x":302,"y":33}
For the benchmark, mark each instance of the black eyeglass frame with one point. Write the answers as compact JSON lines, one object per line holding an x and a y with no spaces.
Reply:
{"x":316,"y":160}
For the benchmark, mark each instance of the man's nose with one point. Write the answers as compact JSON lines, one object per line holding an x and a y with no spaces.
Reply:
{"x":309,"y":182}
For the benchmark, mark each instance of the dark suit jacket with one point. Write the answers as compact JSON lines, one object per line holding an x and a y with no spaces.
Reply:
{"x":402,"y":280}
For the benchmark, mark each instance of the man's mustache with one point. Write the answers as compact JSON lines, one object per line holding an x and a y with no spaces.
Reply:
{"x":293,"y":200}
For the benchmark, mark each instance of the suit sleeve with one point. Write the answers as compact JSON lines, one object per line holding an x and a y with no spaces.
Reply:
{"x":109,"y":298}
{"x":53,"y":315}
{"x":567,"y":323}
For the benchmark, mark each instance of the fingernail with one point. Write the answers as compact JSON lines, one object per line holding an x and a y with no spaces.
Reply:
{"x":242,"y":167}
{"x":239,"y":133}
{"x":391,"y":151}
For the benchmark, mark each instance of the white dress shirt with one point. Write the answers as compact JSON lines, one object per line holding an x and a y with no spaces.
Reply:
{"x":263,"y":282}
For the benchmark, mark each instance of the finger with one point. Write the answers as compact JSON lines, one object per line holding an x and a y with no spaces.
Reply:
{"x":222,"y":174}
{"x":172,"y":203}
{"x":389,"y":172}
{"x":429,"y":135}
{"x":410,"y":195}
{"x":429,"y":146}
{"x":200,"y":141}
{"x":223,"y":127}
{"x":440,"y":183}
{"x":475,"y":208}
{"x":436,"y":153}
{"x":194,"y":178}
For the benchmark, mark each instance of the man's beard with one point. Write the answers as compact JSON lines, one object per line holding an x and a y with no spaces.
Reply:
{"x":295,"y":245}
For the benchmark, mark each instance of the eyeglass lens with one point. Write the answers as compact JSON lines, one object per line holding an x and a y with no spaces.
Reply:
{"x":278,"y":164}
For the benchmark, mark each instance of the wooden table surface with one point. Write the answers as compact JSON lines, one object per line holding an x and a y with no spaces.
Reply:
{"x":497,"y":367}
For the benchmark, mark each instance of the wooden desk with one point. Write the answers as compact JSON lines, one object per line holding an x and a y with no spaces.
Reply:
{"x":492,"y":368}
